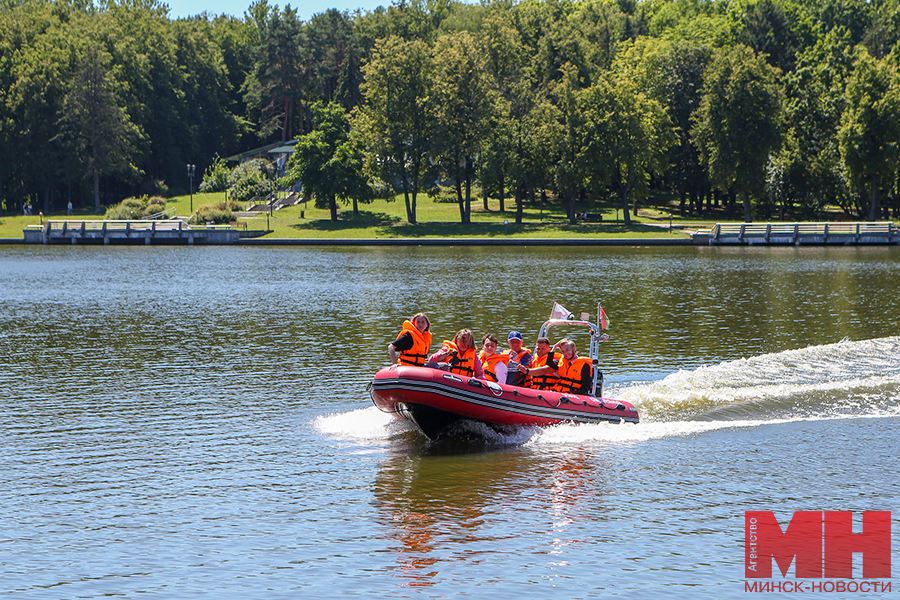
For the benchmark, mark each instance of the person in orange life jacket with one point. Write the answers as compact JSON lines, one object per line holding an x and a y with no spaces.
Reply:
{"x":494,"y":364}
{"x":516,"y":355}
{"x":542,"y":356}
{"x":575,"y":373}
{"x":412,"y":342}
{"x":458,"y":356}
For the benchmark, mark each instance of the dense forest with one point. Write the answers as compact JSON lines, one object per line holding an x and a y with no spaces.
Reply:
{"x":766,"y":108}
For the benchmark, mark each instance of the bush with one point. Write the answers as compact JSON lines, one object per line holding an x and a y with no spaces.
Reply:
{"x":119,"y":213}
{"x":135,"y":208}
{"x":381,"y":189}
{"x":134,"y":203}
{"x":442,"y":194}
{"x":215,"y":178}
{"x":212,"y":213}
{"x":250,"y":179}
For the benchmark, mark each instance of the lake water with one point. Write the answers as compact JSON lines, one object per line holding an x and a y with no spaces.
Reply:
{"x":193,"y":422}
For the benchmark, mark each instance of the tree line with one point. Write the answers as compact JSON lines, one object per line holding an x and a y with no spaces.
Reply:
{"x":767,"y":107}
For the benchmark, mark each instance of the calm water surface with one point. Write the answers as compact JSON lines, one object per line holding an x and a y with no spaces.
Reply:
{"x":193,"y":422}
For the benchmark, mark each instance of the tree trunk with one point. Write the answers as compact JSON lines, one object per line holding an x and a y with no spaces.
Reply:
{"x":332,"y":204}
{"x":500,"y":184}
{"x":457,"y":184}
{"x":748,"y":212}
{"x":873,"y":210}
{"x":470,"y":169}
{"x":520,"y":193}
{"x":97,"y":192}
{"x":623,"y":196}
{"x":410,"y":207}
{"x":410,"y":216}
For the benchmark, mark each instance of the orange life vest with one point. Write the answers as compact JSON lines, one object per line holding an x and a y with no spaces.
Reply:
{"x":523,"y":351}
{"x":570,"y":373}
{"x":542,"y":382}
{"x":490,"y":364}
{"x":418,"y":353}
{"x":461,"y":364}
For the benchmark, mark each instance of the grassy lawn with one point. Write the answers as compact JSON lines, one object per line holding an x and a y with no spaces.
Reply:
{"x":382,"y":219}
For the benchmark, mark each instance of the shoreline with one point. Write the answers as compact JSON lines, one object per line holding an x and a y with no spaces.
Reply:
{"x":467,"y":242}
{"x":448,"y":242}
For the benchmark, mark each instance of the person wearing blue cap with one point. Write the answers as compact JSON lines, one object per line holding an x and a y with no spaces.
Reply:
{"x":518,"y":355}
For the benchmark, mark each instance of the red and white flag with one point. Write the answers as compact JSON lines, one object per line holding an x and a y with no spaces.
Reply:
{"x":560,"y":312}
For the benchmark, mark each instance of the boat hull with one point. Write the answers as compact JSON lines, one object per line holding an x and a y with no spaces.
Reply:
{"x":435,"y":400}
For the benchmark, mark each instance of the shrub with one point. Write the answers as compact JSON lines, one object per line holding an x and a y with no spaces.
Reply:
{"x":442,"y":194}
{"x":215,"y":178}
{"x":119,"y":213}
{"x":135,"y":203}
{"x":250,"y":179}
{"x":212,"y":213}
{"x":135,"y":208}
{"x":381,"y":189}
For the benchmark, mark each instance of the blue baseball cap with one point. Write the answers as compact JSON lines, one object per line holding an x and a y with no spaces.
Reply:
{"x":514,"y":335}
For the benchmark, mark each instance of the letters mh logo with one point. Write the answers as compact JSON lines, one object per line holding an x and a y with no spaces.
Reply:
{"x":822,"y":543}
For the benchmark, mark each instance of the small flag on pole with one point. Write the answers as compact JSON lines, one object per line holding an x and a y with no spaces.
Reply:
{"x":604,"y":320}
{"x":560,"y":312}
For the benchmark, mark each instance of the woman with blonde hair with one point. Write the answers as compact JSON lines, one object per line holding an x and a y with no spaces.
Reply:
{"x":458,"y":356}
{"x":575,"y":373}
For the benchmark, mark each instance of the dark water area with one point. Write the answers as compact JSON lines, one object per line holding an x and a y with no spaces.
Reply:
{"x":194,"y":422}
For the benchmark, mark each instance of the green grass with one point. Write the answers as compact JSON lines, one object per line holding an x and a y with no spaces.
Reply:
{"x":382,"y":219}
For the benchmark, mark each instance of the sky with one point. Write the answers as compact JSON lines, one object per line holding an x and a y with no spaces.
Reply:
{"x":236,"y":8}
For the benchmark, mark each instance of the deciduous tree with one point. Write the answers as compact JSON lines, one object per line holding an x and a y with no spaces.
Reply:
{"x":398,"y":120}
{"x":466,"y":109}
{"x":627,"y":137}
{"x":326,"y":160}
{"x":870,"y":127}
{"x":738,"y":124}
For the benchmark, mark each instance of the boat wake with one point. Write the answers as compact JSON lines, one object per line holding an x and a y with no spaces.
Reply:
{"x":842,"y":380}
{"x":845,"y":379}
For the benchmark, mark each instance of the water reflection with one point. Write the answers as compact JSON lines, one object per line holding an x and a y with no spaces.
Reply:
{"x":446,"y":505}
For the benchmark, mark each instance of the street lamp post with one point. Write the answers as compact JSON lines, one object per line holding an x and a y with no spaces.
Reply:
{"x":191,"y":169}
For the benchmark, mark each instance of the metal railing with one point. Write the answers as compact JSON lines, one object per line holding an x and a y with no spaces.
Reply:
{"x":801,"y":232}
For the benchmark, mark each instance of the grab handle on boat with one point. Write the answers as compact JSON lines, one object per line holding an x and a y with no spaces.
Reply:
{"x":475,"y":383}
{"x":558,"y":402}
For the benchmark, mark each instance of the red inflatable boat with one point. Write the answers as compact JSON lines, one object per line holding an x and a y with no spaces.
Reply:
{"x":435,"y":400}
